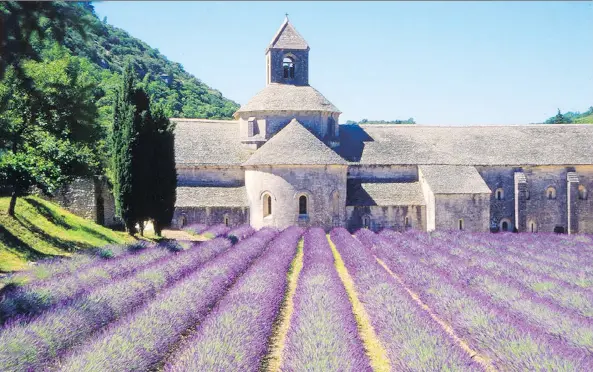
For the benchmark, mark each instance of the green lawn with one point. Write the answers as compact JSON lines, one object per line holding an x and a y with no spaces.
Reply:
{"x":41,"y":229}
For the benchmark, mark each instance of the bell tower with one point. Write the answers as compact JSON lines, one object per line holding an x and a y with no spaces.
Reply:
{"x":287,"y":57}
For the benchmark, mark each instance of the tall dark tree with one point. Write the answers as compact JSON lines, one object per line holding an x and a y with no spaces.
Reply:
{"x":123,"y":138}
{"x":164,"y":175}
{"x":560,"y":119}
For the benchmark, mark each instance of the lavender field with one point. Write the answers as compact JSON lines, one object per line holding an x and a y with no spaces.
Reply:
{"x":304,"y":300}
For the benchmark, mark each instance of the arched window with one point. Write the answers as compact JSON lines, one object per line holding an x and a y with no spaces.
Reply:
{"x":505,"y":224}
{"x":267,"y":205}
{"x":366,"y":222}
{"x":461,"y":224}
{"x":532,"y":226}
{"x":407,"y":221}
{"x":182,"y":221}
{"x":302,"y":204}
{"x":551,"y":193}
{"x":288,"y":67}
{"x":499,"y":194}
{"x":226,"y":220}
{"x":527,"y":195}
{"x":582,"y":192}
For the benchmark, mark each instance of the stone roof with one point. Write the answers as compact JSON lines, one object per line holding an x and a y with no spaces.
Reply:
{"x":294,"y":145}
{"x":541,"y":144}
{"x":211,"y":197}
{"x":287,"y":97}
{"x":384,"y":193}
{"x":287,"y":37}
{"x":453,"y":179}
{"x":208,"y":142}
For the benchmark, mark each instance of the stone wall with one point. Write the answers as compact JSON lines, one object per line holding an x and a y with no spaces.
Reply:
{"x":271,"y":122}
{"x":286,"y":184}
{"x":387,"y":217}
{"x":210,"y":176}
{"x":500,"y":178}
{"x":584,"y":202}
{"x":275,"y":69}
{"x":184,"y":216}
{"x":88,"y":198}
{"x":473,"y":209}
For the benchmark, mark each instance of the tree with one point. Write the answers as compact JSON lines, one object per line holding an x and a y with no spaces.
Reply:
{"x":25,"y":24}
{"x":48,"y":125}
{"x":164,"y":174}
{"x":560,"y":119}
{"x":123,"y":138}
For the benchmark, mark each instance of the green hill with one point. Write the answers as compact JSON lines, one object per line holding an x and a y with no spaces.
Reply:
{"x":108,"y":47}
{"x":41,"y":229}
{"x":572,"y":117}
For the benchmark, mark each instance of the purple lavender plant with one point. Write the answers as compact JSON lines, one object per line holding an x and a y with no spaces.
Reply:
{"x":241,"y":323}
{"x":196,"y":228}
{"x":323,"y":334}
{"x":216,"y":231}
{"x":33,"y":346}
{"x":240,"y":233}
{"x":142,"y":339}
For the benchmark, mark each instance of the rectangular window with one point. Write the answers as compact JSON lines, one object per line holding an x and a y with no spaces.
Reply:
{"x":460,"y":224}
{"x":252,"y":129}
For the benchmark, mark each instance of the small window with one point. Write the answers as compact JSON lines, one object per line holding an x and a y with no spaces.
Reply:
{"x":499,"y":194}
{"x":504,"y":225}
{"x":267,"y":205}
{"x":226,"y":220}
{"x":551,"y":193}
{"x":532,"y":226}
{"x":461,"y":224}
{"x":302,"y":204}
{"x":527,"y":195}
{"x":407,"y":221}
{"x":252,"y":128}
{"x":336,"y":203}
{"x":366,"y":222}
{"x":582,"y":192}
{"x":288,"y":68}
{"x":182,"y":221}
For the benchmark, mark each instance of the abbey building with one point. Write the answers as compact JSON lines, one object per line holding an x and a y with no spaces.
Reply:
{"x":285,"y":161}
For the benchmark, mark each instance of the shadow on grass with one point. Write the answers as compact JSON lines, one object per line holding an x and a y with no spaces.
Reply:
{"x":58,"y":220}
{"x":16,"y":244}
{"x":66,"y":245}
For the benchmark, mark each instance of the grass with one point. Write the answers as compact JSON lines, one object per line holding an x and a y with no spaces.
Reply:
{"x":373,"y":347}
{"x":41,"y":229}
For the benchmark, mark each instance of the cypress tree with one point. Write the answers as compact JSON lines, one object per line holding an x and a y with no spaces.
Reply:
{"x":164,"y":175}
{"x":123,"y":141}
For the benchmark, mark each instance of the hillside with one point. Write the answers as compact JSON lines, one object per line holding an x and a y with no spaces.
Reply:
{"x":42,"y":229}
{"x":108,"y":48}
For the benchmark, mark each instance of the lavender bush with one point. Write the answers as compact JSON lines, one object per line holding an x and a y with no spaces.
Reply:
{"x":33,"y":346}
{"x":323,"y":334}
{"x":216,"y":231}
{"x":414,"y":341}
{"x":142,"y":339}
{"x":240,"y":233}
{"x":196,"y":228}
{"x":234,"y":336}
{"x":37,"y":296}
{"x":509,"y":341}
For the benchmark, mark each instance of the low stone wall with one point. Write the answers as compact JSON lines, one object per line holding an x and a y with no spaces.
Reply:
{"x":235,"y":216}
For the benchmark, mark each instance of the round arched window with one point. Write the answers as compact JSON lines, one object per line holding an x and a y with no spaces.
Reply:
{"x":267,"y":205}
{"x":288,"y":67}
{"x":303,"y":204}
{"x":499,"y":194}
{"x":550,"y":193}
{"x":582,"y":192}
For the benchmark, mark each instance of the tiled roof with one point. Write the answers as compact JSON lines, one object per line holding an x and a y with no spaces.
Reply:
{"x":384,"y":194}
{"x":541,"y":144}
{"x":208,"y":142}
{"x":453,"y":179}
{"x":294,"y":145}
{"x":287,"y":37}
{"x":286,"y":97}
{"x":211,"y":197}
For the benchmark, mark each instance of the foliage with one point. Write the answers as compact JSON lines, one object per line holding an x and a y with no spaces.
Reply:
{"x":42,"y":230}
{"x":572,"y":117}
{"x":49,"y":132}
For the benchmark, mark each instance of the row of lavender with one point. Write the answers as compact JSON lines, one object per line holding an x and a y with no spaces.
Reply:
{"x":489,"y":303}
{"x":221,"y":230}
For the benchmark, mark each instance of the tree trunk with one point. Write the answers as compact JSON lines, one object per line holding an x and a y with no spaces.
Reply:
{"x":12,"y":204}
{"x":141,"y":224}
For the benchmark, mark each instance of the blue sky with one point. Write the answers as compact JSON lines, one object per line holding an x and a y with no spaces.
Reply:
{"x":450,"y":63}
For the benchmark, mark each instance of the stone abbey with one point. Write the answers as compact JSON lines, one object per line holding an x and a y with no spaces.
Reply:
{"x":285,"y":161}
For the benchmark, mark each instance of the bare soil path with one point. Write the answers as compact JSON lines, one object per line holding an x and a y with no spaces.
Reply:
{"x":182,"y":235}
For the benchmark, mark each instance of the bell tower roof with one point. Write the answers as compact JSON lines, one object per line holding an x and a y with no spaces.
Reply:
{"x":287,"y":37}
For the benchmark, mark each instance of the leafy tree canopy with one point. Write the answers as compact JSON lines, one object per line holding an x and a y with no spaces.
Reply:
{"x":572,"y":117}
